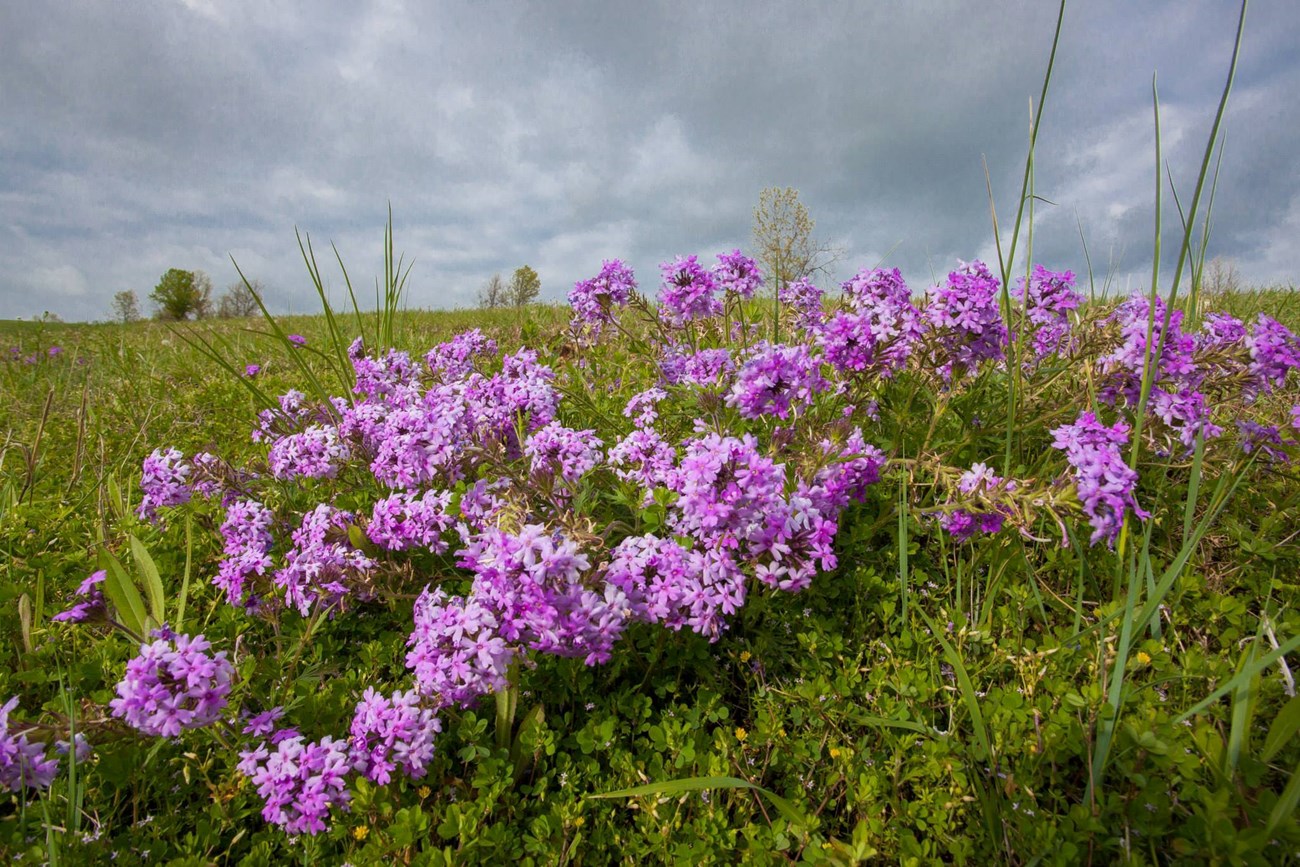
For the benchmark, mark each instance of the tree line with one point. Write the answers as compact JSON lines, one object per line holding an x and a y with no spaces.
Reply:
{"x":184,"y":294}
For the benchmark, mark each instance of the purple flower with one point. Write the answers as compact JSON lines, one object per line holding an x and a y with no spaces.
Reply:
{"x":884,"y":300}
{"x":805,"y":300}
{"x":23,"y":763}
{"x":981,"y":485}
{"x":1051,"y":297}
{"x":164,"y":481}
{"x":297,"y":340}
{"x":299,"y":781}
{"x":92,"y":605}
{"x":561,"y":452}
{"x":773,"y":379}
{"x":1124,"y":365}
{"x":1262,"y":438}
{"x":263,"y":724}
{"x":708,"y":368}
{"x":966,"y":319}
{"x":247,"y":533}
{"x":737,"y":273}
{"x":454,"y":360}
{"x":410,"y":520}
{"x":688,"y":291}
{"x":392,"y":733}
{"x":594,"y":301}
{"x":1104,"y":481}
{"x":643,"y":457}
{"x":642,"y":407}
{"x":457,"y":653}
{"x":314,"y":453}
{"x":1274,"y":353}
{"x":54,"y":351}
{"x":252,"y":370}
{"x":173,"y":685}
{"x":321,"y":566}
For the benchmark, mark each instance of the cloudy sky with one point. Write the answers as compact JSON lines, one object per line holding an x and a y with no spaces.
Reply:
{"x":143,"y":136}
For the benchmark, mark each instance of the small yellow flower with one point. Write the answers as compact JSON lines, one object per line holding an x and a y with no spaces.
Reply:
{"x":745,"y":656}
{"x":835,"y":752}
{"x":361,"y":832}
{"x":780,"y":733}
{"x":741,"y":735}
{"x":580,"y":821}
{"x":1143,"y":658}
{"x":424,"y":791}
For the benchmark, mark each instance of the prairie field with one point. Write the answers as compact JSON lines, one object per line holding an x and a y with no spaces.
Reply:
{"x":737,"y":576}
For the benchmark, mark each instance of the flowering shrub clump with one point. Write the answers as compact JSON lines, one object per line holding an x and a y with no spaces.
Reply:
{"x":173,"y":685}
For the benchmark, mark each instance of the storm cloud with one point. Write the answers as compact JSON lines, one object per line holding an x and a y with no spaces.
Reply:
{"x":145,"y":136}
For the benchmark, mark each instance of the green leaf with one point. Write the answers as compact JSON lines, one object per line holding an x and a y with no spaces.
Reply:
{"x":1286,"y":805}
{"x":1282,"y":730}
{"x":123,"y":594}
{"x":148,"y":571}
{"x":693,"y":784}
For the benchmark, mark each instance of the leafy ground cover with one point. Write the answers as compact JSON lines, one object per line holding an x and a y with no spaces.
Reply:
{"x":730,"y":577}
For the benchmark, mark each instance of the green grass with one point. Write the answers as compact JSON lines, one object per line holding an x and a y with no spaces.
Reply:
{"x":923,"y":702}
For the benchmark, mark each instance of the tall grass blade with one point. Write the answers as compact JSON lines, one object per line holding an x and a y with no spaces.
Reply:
{"x":695,"y":784}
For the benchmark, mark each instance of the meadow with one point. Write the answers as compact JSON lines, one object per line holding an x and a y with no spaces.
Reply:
{"x":698,"y":568}
{"x":759,"y":568}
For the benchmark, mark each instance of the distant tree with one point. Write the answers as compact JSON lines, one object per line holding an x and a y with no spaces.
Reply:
{"x":239,"y":300}
{"x":525,"y":286}
{"x":1220,"y":277}
{"x":175,"y":296}
{"x":126,"y":306}
{"x":493,"y":293}
{"x":203,"y":307}
{"x":783,"y":238}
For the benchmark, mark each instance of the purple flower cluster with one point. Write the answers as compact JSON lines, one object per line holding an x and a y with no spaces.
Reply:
{"x":966,"y":321}
{"x":457,"y":653}
{"x":556,"y":451}
{"x":165,"y":482}
{"x":884,"y":302}
{"x":804,"y":300}
{"x":409,"y":520}
{"x":1274,"y":353}
{"x":1047,"y":306}
{"x":92,"y":605}
{"x":774,"y":378}
{"x":173,"y":685}
{"x":643,"y":457}
{"x":315,"y":453}
{"x":594,"y":300}
{"x":981,"y":486}
{"x":23,"y":763}
{"x":738,"y":274}
{"x":689,"y":292}
{"x":299,"y":780}
{"x":707,"y":368}
{"x":322,"y":566}
{"x":247,"y":534}
{"x":392,"y":733}
{"x":1125,"y":364}
{"x":454,"y":360}
{"x":1104,"y":481}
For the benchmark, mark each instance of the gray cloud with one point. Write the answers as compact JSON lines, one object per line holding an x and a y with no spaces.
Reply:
{"x":140,"y":137}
